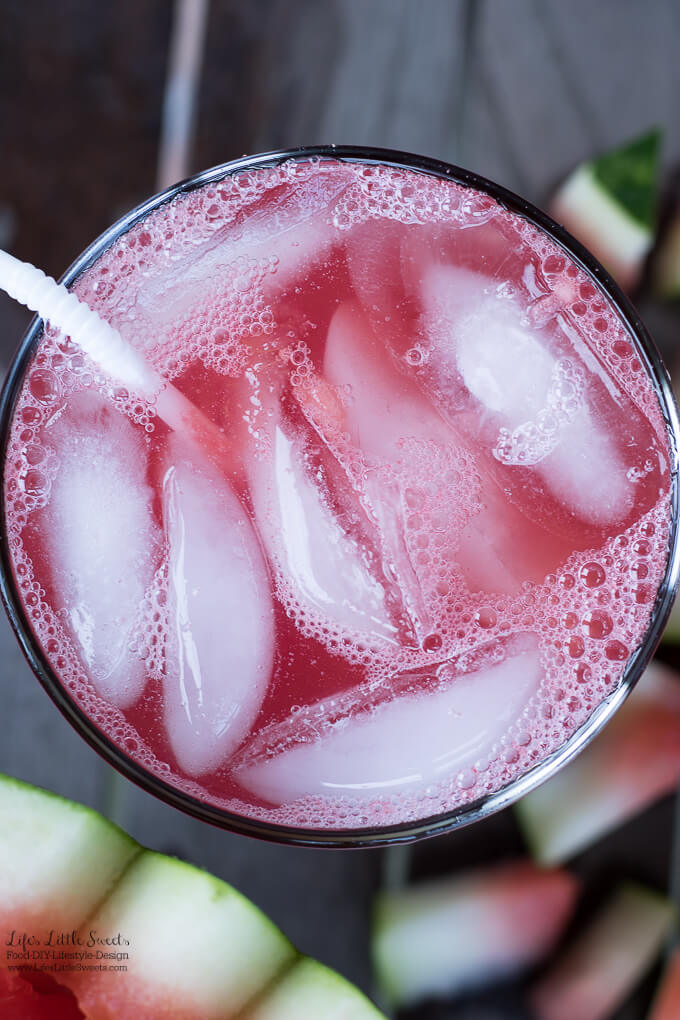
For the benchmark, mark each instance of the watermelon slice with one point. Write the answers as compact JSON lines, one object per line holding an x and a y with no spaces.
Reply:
{"x":197,"y":948}
{"x":58,"y":860}
{"x":666,"y":265}
{"x":610,"y":205}
{"x":445,"y":937}
{"x":598,"y":971}
{"x":635,"y":760}
{"x":667,"y":1002}
{"x":102,"y":928}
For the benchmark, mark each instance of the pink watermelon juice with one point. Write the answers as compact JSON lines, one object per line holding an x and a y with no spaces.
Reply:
{"x":434,"y":535}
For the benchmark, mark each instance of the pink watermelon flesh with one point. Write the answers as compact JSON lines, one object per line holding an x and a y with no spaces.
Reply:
{"x":634,"y":761}
{"x":32,"y":995}
{"x":605,"y":962}
{"x":446,"y":937}
{"x":667,"y":1002}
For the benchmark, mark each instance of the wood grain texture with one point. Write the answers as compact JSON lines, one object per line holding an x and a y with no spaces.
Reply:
{"x":383,"y":73}
{"x":36,"y":742}
{"x":81,"y":86}
{"x":552,"y":83}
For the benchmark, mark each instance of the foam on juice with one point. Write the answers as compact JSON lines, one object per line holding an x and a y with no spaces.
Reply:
{"x":448,"y":497}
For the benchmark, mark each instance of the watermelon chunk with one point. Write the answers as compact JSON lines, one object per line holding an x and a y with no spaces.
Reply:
{"x":310,"y":991}
{"x":667,"y":1002}
{"x":634,"y":761}
{"x":598,"y":971}
{"x":57,"y":861}
{"x":122,"y":933}
{"x":198,"y":950}
{"x":445,"y":937}
{"x":610,"y":205}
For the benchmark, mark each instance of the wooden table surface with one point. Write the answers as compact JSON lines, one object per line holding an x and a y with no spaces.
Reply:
{"x":518,"y":90}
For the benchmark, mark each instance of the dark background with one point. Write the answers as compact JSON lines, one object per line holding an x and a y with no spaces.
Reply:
{"x":518,"y":90}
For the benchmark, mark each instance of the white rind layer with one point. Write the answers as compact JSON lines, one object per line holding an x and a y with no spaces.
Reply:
{"x":310,"y":991}
{"x":602,"y":224}
{"x":58,"y":860}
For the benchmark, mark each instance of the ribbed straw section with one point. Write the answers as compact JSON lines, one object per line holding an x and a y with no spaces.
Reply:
{"x":100,"y":341}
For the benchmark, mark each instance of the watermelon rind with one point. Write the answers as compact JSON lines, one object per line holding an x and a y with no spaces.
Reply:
{"x":628,"y":175}
{"x":193,"y":941}
{"x":671,"y":634}
{"x":633,"y":762}
{"x":603,"y":963}
{"x":165,"y":939}
{"x":310,"y":991}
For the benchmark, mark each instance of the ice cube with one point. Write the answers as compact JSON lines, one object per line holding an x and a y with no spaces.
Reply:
{"x":315,"y":556}
{"x":102,"y":540}
{"x":405,"y":744}
{"x":385,"y":414}
{"x":476,"y":329}
{"x":384,"y":405}
{"x":292,"y":231}
{"x":503,"y":363}
{"x":221,"y":629}
{"x":500,"y":548}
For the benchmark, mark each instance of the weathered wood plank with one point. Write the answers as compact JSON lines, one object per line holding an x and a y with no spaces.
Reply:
{"x":553,"y":83}
{"x":80,"y":104}
{"x":384,"y":73}
{"x":36,"y":742}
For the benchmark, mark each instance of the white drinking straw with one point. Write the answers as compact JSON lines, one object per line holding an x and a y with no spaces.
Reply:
{"x":106,"y":348}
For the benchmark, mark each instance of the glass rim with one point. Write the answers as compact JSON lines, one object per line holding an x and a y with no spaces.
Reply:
{"x":486,"y":805}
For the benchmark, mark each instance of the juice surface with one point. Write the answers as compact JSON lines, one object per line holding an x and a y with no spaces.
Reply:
{"x":440,"y":523}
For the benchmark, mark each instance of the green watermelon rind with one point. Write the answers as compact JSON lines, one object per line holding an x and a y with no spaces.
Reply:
{"x":628,"y":175}
{"x":233,"y":951}
{"x":610,"y":205}
{"x":592,"y":214}
{"x":671,"y":634}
